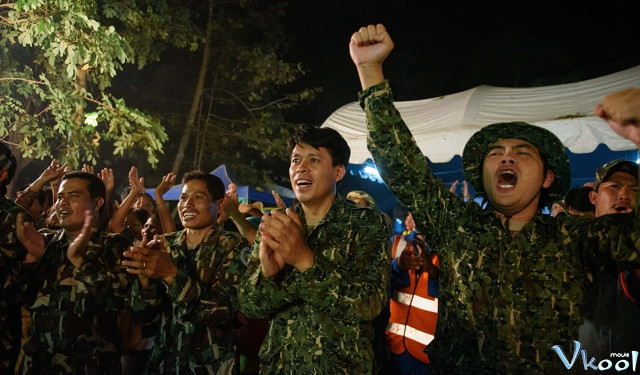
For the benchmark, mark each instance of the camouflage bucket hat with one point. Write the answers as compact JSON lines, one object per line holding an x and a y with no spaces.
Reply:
{"x":619,"y":165}
{"x":7,"y":162}
{"x":549,"y":146}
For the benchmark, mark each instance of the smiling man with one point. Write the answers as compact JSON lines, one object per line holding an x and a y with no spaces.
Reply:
{"x":12,"y":253}
{"x":511,"y":279}
{"x":318,"y":271}
{"x":194,"y":276}
{"x":79,"y":286}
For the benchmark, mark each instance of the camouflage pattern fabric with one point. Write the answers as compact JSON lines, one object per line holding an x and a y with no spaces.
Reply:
{"x":74,"y":310}
{"x":550,"y":148}
{"x":619,"y":165}
{"x":12,"y":254}
{"x":196,"y":334}
{"x":320,"y":320}
{"x":504,"y":301}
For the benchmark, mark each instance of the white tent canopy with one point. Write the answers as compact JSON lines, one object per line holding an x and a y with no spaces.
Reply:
{"x":442,"y":126}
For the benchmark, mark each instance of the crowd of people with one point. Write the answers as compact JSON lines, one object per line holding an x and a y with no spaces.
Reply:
{"x":97,"y":285}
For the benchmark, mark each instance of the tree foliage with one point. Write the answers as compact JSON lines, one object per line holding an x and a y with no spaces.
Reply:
{"x":241,"y":120}
{"x":57,"y":61}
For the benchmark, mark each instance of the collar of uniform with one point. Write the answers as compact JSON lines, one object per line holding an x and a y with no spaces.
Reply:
{"x":182,"y":235}
{"x":339,"y":204}
{"x":58,"y":235}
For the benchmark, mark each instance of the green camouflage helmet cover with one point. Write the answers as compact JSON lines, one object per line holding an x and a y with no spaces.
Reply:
{"x":619,"y":165}
{"x":551,"y":150}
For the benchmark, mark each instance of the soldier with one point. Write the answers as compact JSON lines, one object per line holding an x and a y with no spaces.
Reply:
{"x":12,"y":253}
{"x":512,"y":279}
{"x":190,"y":278}
{"x":79,"y":286}
{"x":610,"y":308}
{"x":319,"y":270}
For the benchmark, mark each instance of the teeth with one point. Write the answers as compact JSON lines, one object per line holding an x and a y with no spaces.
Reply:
{"x":189,"y":214}
{"x":507,"y":172}
{"x":506,"y":186}
{"x":303,"y":182}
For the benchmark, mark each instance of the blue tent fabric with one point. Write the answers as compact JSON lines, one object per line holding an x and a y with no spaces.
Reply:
{"x":245,"y":193}
{"x":583,"y":167}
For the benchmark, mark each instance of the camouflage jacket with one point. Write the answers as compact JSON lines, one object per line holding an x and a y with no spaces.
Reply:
{"x":74,"y":310}
{"x":504,"y":301}
{"x":196,"y":334}
{"x":12,"y":254}
{"x":320,"y":319}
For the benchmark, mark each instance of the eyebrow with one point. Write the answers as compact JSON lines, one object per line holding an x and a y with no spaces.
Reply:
{"x":203,"y":192}
{"x":518,"y":146}
{"x":70,"y":192}
{"x":309,"y":154}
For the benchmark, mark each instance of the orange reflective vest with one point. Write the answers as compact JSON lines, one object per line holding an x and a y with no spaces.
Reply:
{"x":414,"y":312}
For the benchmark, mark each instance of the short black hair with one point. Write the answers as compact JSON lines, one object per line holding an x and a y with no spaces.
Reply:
{"x":96,"y":190}
{"x":323,"y":137}
{"x":214,"y":183}
{"x":124,"y":193}
{"x":578,"y":199}
{"x":141,"y":214}
{"x":96,"y":186}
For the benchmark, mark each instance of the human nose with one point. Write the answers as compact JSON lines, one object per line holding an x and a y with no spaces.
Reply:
{"x":624,"y":193}
{"x":508,"y":157}
{"x":63,"y":201}
{"x":302,"y":166}
{"x":188,"y":201}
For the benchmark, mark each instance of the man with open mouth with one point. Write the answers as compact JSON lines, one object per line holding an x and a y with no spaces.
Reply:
{"x":610,"y":305}
{"x":511,"y":278}
{"x":319,"y":270}
{"x":77,"y":287}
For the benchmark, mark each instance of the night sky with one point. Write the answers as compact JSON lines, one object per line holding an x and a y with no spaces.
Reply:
{"x":440,"y":48}
{"x":447,"y":47}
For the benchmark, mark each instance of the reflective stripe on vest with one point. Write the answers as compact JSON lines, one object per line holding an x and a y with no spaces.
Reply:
{"x":419,"y":302}
{"x":410,"y":332}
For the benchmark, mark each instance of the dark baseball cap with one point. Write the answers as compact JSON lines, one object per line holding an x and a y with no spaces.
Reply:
{"x":620,"y":165}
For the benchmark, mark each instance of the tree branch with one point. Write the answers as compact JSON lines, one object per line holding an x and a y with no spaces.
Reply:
{"x":21,"y":79}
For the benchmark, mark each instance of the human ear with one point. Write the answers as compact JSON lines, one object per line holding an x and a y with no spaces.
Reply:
{"x":593,"y":197}
{"x":548,"y":179}
{"x":97,"y":203}
{"x":340,"y":172}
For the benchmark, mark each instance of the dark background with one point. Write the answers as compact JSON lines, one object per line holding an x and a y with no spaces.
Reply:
{"x":448,"y":47}
{"x":440,"y":48}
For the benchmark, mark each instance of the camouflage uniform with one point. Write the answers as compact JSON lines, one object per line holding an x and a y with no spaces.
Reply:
{"x":74,"y":310}
{"x":504,"y":301}
{"x":320,"y":320}
{"x":196,"y":335}
{"x":12,"y":254}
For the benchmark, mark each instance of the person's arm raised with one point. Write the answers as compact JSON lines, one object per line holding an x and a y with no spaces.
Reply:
{"x":369,"y":46}
{"x":621,"y":110}
{"x":117,"y":224}
{"x":166,"y":221}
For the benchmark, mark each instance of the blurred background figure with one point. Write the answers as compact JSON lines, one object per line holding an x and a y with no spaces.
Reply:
{"x":577,"y":201}
{"x":364,"y":199}
{"x":361,"y":198}
{"x":465,"y":190}
{"x":414,"y":301}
